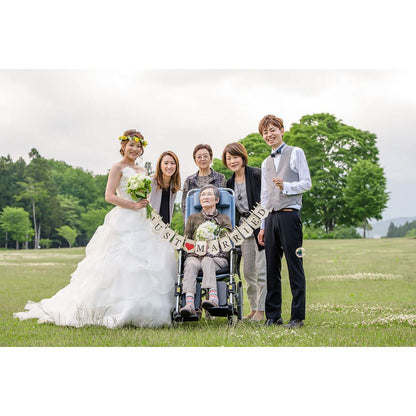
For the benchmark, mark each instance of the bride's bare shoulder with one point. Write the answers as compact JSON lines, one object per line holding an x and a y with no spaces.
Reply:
{"x":117,"y":167}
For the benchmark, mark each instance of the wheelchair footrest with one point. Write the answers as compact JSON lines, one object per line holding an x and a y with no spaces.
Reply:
{"x":220,"y":310}
{"x":177,"y":317}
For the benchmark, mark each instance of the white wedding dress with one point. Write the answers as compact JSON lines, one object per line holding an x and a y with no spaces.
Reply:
{"x":126,"y":278}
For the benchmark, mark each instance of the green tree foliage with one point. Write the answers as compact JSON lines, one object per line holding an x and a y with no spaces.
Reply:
{"x":75,"y":182}
{"x":401,"y":230}
{"x":90,"y":220}
{"x":53,"y":192}
{"x":68,"y":233}
{"x":257,"y":149}
{"x":16,"y":223}
{"x":365,"y":192}
{"x":33,"y":192}
{"x":177,"y":223}
{"x":11,"y":173}
{"x":45,"y":243}
{"x":391,"y":232}
{"x":71,"y":208}
{"x":332,"y":148}
{"x":49,"y":213}
{"x":411,"y":233}
{"x":340,"y":232}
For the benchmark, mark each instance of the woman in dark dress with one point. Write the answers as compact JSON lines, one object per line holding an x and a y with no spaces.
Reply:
{"x":246,"y":182}
{"x":165,"y":185}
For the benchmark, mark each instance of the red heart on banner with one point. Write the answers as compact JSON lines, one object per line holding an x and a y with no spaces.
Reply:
{"x":189,"y":246}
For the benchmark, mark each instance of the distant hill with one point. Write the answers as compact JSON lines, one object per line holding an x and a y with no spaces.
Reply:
{"x":380,"y":228}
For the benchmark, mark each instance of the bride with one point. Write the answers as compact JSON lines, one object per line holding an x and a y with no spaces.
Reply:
{"x":128,"y":274}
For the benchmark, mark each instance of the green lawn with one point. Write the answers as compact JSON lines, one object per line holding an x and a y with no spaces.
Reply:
{"x":359,"y":293}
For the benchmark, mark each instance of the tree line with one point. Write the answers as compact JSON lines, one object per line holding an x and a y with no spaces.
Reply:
{"x":47,"y":203}
{"x":408,"y":229}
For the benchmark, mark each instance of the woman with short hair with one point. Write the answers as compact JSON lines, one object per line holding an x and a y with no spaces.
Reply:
{"x":202,"y":155}
{"x":246,"y":182}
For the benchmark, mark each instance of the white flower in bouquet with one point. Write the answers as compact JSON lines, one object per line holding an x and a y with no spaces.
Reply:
{"x":138,"y":186}
{"x":208,"y":230}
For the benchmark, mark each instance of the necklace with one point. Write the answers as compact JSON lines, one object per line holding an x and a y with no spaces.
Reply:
{"x":239,"y":190}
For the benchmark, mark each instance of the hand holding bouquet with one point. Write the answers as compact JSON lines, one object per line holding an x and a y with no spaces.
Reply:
{"x":138,"y":186}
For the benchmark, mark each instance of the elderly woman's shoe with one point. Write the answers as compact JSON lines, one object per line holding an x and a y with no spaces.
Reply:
{"x":208,"y":304}
{"x":187,"y":310}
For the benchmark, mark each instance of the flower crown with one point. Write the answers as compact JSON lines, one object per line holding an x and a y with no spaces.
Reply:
{"x":134,"y":139}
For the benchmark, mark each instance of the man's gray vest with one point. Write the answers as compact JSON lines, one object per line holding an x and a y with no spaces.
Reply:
{"x":276,"y":198}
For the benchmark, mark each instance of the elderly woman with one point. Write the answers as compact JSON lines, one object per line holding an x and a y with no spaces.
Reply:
{"x":246,"y":182}
{"x":203,"y":158}
{"x":209,"y":264}
{"x":165,"y":185}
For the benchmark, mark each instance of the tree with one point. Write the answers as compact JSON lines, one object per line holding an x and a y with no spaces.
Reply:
{"x":411,"y":233}
{"x":71,"y":208}
{"x":257,"y":149}
{"x":401,"y":230}
{"x":45,"y":243}
{"x":68,"y":233}
{"x":332,"y":148}
{"x":90,"y":221}
{"x":15,"y":221}
{"x":73,"y":181}
{"x":48,"y":211}
{"x":391,"y":231}
{"x":365,"y":192}
{"x":177,"y":222}
{"x":10,"y":174}
{"x":33,"y":193}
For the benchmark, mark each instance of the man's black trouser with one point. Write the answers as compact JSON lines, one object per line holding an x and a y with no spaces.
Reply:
{"x":283,"y":234}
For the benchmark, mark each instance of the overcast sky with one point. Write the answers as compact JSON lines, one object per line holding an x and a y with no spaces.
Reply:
{"x":77,"y":115}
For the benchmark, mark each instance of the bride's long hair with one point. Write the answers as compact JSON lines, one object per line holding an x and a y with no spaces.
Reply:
{"x":175,"y":180}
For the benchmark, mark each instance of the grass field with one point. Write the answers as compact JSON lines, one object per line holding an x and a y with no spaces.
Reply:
{"x":359,"y":293}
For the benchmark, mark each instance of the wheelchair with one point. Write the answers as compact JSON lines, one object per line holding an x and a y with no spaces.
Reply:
{"x":229,"y":283}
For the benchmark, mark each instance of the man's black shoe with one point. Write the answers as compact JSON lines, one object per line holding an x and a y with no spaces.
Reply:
{"x":271,"y":321}
{"x":294,"y":324}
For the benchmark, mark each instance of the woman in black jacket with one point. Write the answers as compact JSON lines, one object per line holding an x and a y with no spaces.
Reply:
{"x":246,"y":182}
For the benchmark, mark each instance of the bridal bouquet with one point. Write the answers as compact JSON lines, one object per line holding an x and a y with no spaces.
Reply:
{"x":208,"y":230}
{"x":138,"y":186}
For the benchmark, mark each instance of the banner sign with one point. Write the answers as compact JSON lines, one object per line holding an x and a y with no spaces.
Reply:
{"x":202,"y":247}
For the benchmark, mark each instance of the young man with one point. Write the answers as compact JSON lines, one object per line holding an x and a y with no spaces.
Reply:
{"x":285,"y":176}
